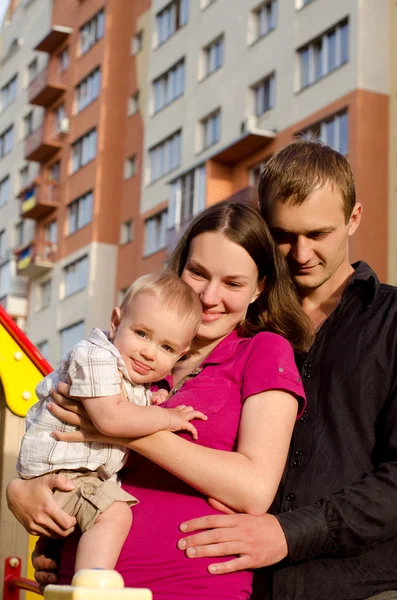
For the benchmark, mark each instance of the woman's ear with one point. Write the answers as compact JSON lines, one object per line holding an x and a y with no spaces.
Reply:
{"x":259,"y":289}
{"x":114,"y":322}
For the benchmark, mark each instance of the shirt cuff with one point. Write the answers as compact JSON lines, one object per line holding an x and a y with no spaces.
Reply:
{"x":306,"y":532}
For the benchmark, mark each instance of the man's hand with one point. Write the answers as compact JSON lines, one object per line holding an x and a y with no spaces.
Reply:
{"x":45,"y":558}
{"x":257,"y":541}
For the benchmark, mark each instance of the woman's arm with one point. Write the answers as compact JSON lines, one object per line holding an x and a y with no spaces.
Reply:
{"x":246,"y":480}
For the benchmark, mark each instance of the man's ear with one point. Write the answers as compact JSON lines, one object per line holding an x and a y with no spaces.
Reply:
{"x":114,"y":322}
{"x":259,"y":289}
{"x":355,"y":218}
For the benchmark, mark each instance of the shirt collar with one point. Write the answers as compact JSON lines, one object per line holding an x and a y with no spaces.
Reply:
{"x":366,"y":280}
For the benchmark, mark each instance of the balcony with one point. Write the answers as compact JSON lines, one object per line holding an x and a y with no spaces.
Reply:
{"x":47,"y":87}
{"x":35,"y":260}
{"x":38,"y":201}
{"x":250,"y":142}
{"x":40,"y":147}
{"x":54,"y":39}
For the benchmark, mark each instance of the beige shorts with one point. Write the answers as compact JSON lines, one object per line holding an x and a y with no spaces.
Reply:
{"x":90,"y":497}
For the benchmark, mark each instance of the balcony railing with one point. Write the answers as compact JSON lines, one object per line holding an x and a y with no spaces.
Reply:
{"x":47,"y":87}
{"x":35,"y":259}
{"x":40,"y":146}
{"x":39,"y":200}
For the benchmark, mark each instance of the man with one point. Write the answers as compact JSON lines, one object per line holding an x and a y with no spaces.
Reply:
{"x":333,"y":533}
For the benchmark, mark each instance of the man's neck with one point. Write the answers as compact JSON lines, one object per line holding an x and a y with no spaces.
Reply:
{"x":320,"y":303}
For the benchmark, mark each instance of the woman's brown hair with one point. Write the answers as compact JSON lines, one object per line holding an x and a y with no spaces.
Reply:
{"x":277,"y":309}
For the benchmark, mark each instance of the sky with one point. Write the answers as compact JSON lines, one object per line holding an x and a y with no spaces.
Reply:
{"x":3,"y":8}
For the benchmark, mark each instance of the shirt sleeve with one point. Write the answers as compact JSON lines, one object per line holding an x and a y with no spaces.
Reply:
{"x":93,"y":372}
{"x":271,"y":365}
{"x":355,"y":518}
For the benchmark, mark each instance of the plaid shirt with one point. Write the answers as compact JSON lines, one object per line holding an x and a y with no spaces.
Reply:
{"x":93,"y":368}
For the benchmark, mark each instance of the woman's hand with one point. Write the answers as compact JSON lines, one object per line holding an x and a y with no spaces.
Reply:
{"x":70,"y":410}
{"x":32,"y":503}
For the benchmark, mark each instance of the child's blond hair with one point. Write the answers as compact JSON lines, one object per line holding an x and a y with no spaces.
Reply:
{"x":172,"y":292}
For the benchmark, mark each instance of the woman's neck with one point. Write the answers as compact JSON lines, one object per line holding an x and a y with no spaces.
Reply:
{"x":202,"y":349}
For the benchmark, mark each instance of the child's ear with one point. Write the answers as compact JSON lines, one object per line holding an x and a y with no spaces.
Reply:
{"x":184,"y":352}
{"x":115,"y":322}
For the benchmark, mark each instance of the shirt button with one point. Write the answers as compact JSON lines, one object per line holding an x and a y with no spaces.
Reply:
{"x":307,"y":365}
{"x":303,"y":420}
{"x":89,"y":490}
{"x":306,"y":375}
{"x":287,"y":509}
{"x":290,"y":497}
{"x":297,"y":463}
{"x":280,"y":370}
{"x":298,"y":453}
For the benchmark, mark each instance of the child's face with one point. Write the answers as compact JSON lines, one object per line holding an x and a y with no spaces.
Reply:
{"x":150,"y":338}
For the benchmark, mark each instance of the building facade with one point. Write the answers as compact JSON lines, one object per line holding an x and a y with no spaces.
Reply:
{"x":232,"y":82}
{"x":85,"y":197}
{"x":24,"y":24}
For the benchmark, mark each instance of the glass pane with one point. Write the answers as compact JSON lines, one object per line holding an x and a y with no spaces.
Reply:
{"x":343,"y":133}
{"x":331,"y":46}
{"x":344,"y":43}
{"x":304,"y":67}
{"x":330,"y":133}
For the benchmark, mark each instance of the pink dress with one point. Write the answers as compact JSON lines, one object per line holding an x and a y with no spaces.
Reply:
{"x":236,"y":369}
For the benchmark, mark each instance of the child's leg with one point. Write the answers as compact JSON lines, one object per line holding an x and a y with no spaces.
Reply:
{"x":100,"y":546}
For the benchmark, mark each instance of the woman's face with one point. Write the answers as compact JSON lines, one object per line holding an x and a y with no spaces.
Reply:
{"x":226,"y":280}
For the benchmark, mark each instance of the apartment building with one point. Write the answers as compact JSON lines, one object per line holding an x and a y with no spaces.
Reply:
{"x":232,"y":82}
{"x":85,"y":196}
{"x":24,"y":24}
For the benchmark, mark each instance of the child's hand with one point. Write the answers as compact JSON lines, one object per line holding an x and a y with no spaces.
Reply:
{"x":181,"y":416}
{"x":159,"y":397}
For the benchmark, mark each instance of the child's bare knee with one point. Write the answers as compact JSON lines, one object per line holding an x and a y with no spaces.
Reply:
{"x":119,"y":514}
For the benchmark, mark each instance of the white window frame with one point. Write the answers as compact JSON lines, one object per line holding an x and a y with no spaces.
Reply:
{"x":213,"y":56}
{"x":155,"y":233}
{"x":84,"y":150}
{"x":170,"y":19}
{"x":264,"y":93}
{"x":169,"y":86}
{"x":314,"y":64}
{"x":80,"y":212}
{"x":210,"y":129}
{"x":126,"y":232}
{"x":5,"y":190}
{"x":88,"y":90}
{"x":165,"y":156}
{"x":133,"y":104}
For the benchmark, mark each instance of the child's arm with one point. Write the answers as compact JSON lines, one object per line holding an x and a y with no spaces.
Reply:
{"x":115,"y":417}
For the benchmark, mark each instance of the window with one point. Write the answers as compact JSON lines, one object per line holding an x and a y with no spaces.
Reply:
{"x":262,"y":20}
{"x":5,"y":189}
{"x":324,"y":54}
{"x":213,"y":56}
{"x":187,"y":197}
{"x":211,"y":129}
{"x":54,"y":171}
{"x":137,"y":43}
{"x":19,"y":234}
{"x":59,"y":119}
{"x":6,"y":141}
{"x":76,"y":276}
{"x":333,"y":131}
{"x":80,"y":212}
{"x":44,"y":294}
{"x":44,"y":349}
{"x":63,"y":61}
{"x":255,"y":173}
{"x":3,"y":246}
{"x":33,"y":69}
{"x":169,"y":86}
{"x":170,"y":19}
{"x":130,"y":166}
{"x":301,"y":3}
{"x":28,"y":124}
{"x":92,"y":31}
{"x":165,"y":156}
{"x":88,"y":89}
{"x":9,"y":92}
{"x":5,"y":279}
{"x":51,"y":232}
{"x":83,"y":150}
{"x":126,"y":232}
{"x":265,"y":93}
{"x":24,"y":176}
{"x":70,"y":336}
{"x":133,"y":104}
{"x":155,"y":233}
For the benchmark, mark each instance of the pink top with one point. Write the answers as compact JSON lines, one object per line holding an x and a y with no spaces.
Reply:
{"x":236,"y":369}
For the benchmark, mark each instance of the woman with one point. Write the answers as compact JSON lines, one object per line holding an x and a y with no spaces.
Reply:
{"x":242,"y":375}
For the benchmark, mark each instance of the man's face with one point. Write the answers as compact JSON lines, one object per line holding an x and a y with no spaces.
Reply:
{"x":313,"y":236}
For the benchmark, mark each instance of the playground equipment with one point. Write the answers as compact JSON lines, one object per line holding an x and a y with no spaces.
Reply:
{"x":87,"y":584}
{"x":21,"y":369}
